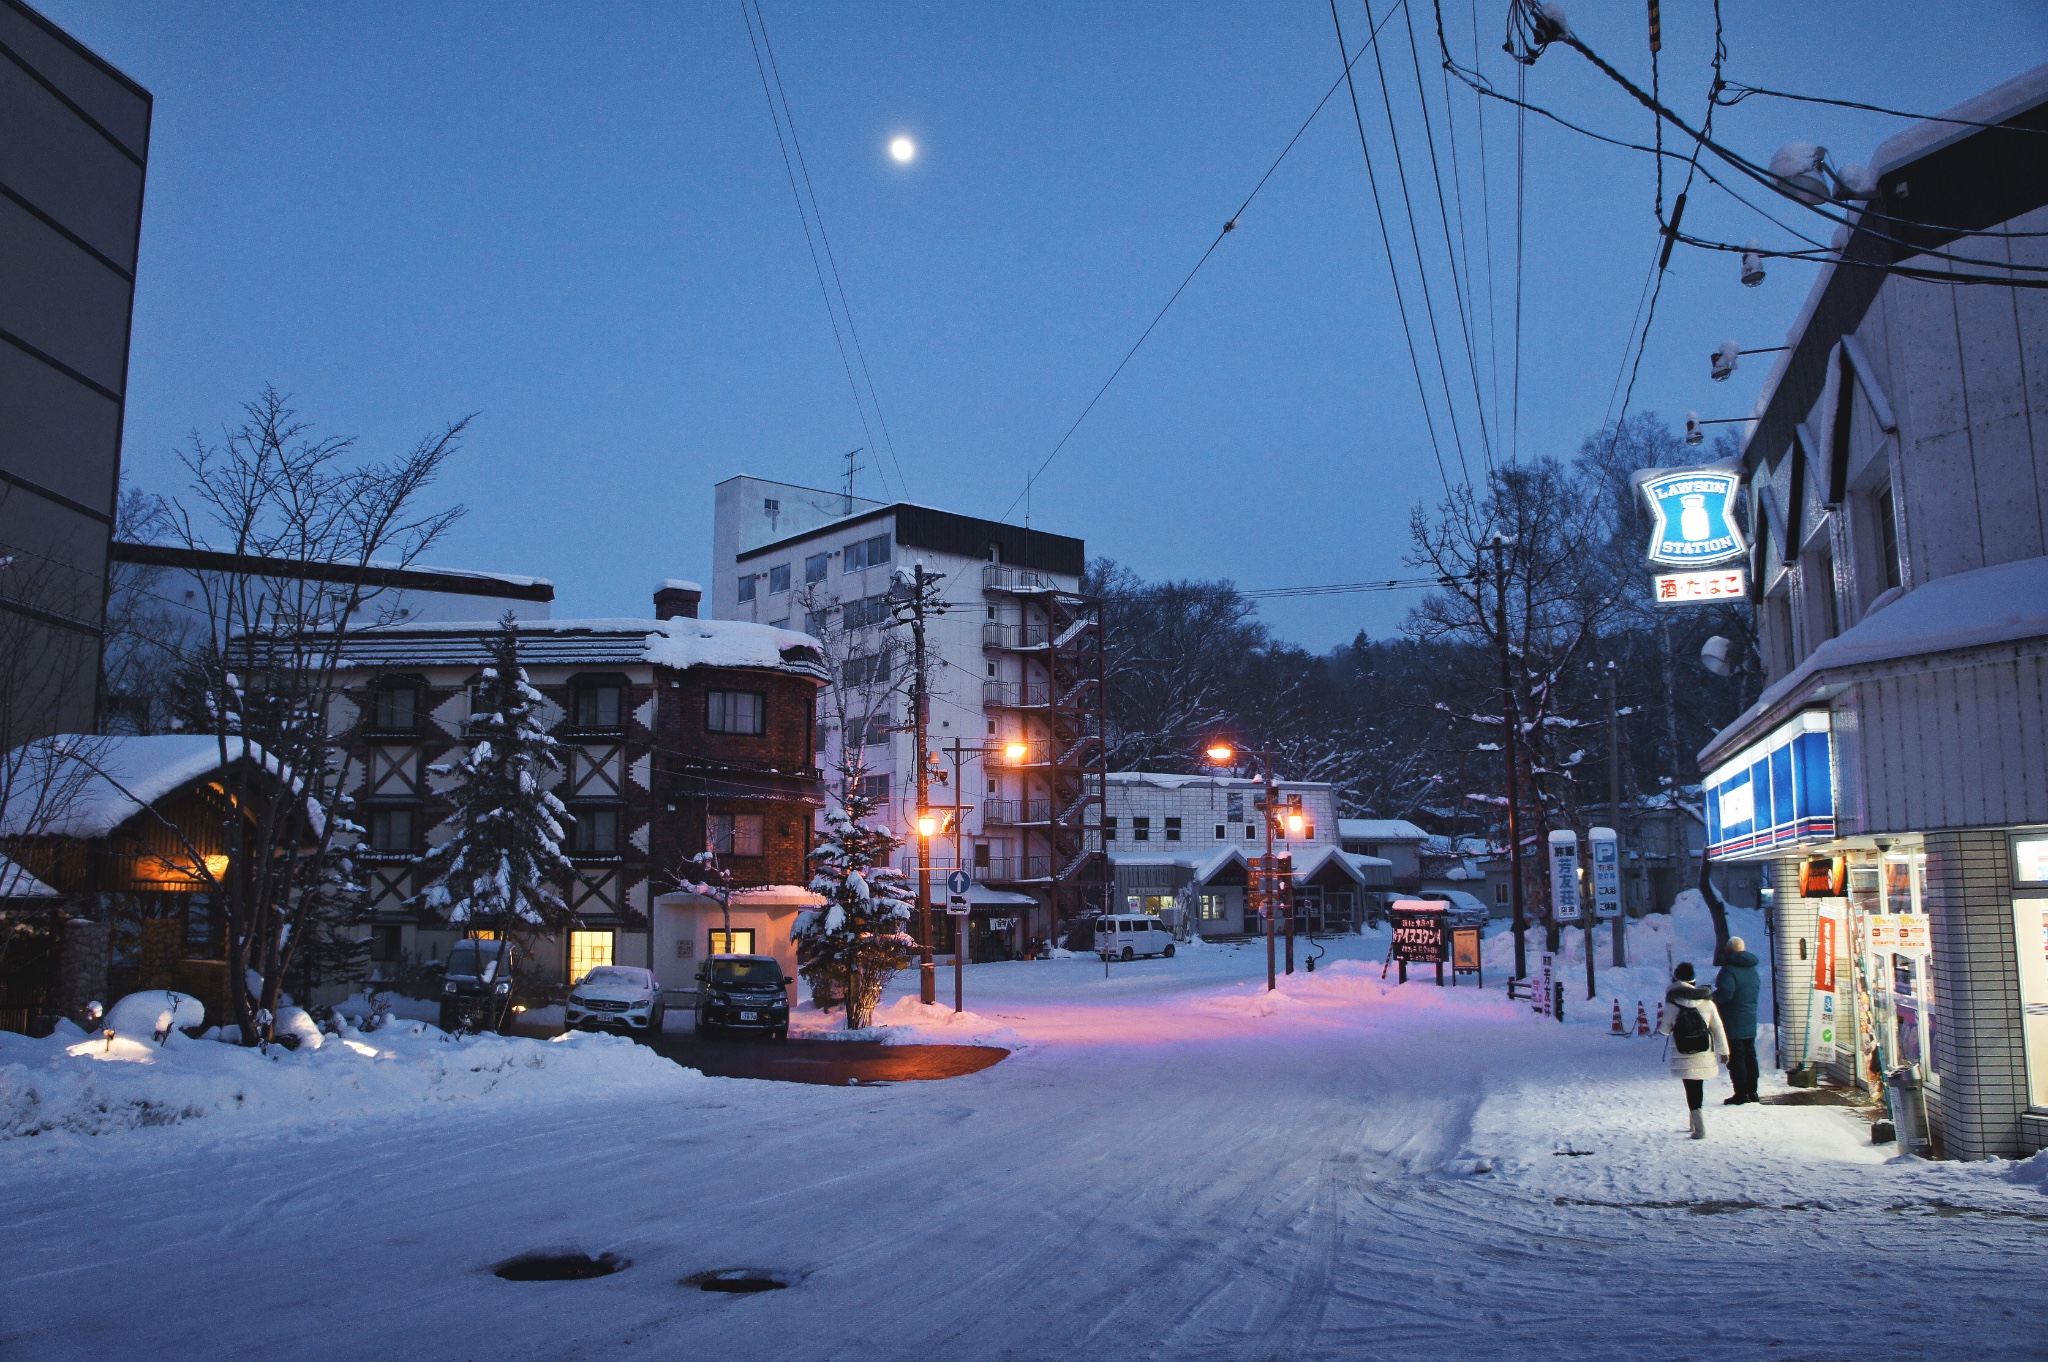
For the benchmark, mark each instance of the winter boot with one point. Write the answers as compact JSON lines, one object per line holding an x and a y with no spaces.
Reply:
{"x":1699,"y":1126}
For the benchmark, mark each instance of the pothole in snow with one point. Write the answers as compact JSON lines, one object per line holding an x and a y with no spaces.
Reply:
{"x":738,"y":1280}
{"x":559,"y":1267}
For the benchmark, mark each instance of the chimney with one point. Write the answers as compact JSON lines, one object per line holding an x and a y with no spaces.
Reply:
{"x":673,"y":599}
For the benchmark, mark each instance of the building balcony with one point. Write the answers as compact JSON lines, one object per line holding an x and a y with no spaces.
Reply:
{"x":1016,"y":694}
{"x":1014,"y":637}
{"x":1016,"y":813}
{"x":996,"y":577}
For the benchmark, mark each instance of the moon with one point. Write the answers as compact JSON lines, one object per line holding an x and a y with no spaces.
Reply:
{"x":903,"y":149}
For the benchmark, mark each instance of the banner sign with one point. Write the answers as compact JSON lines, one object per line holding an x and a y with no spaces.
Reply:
{"x":1564,"y":876}
{"x":1902,"y":932}
{"x":1820,"y":1012}
{"x":1695,"y":588}
{"x":1775,"y":793}
{"x":1694,"y":511}
{"x":1605,"y":848}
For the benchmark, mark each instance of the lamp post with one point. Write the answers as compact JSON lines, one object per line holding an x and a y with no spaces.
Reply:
{"x":1223,"y":754}
{"x":928,"y":984}
{"x":1511,"y":724}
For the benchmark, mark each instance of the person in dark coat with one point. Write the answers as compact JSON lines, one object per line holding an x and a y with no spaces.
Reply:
{"x":1735,"y":994}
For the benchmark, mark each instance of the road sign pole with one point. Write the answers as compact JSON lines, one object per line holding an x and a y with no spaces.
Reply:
{"x":960,"y":966}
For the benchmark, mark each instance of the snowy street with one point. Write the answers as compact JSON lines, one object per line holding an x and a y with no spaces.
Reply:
{"x":1172,"y":1165}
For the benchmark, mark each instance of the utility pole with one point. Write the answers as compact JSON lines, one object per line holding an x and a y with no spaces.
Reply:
{"x":1614,"y":810}
{"x":1266,"y":895}
{"x":851,"y":469}
{"x":959,"y":863}
{"x":1511,"y":724}
{"x":912,"y":596}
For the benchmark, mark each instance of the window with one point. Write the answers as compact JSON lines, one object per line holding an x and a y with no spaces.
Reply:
{"x":1234,"y":807}
{"x":387,"y":942}
{"x":981,"y":855}
{"x":391,"y":829}
{"x":1108,"y":828}
{"x":1251,"y":832}
{"x":596,"y":832}
{"x":1141,"y":829}
{"x":815,"y":622}
{"x":778,"y":579}
{"x":733,"y":834}
{"x":770,"y":505}
{"x":588,"y":951}
{"x":1209,"y":907}
{"x":865,"y":553}
{"x":738,"y":941}
{"x":869,"y":610}
{"x":1173,"y":829}
{"x":782,"y":623}
{"x":599,"y":706}
{"x":397,"y":707}
{"x":875,"y":788}
{"x":735,"y":711}
{"x":868,"y":670}
{"x":1888,"y":535}
{"x":872,"y":731}
{"x":991,"y":669}
{"x":1500,"y":892}
{"x":1220,"y":827}
{"x":746,"y":586}
{"x":814,"y":568}
{"x":2030,"y":920}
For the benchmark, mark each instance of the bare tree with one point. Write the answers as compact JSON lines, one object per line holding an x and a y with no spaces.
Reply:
{"x":264,"y":666}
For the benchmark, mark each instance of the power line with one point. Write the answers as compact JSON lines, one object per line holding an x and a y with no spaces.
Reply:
{"x":1743,"y":92}
{"x":1342,"y":588}
{"x":1228,"y":227}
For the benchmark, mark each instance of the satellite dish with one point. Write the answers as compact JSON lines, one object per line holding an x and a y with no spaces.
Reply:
{"x":1715,"y":656}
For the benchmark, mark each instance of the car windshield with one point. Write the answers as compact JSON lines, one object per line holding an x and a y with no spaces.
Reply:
{"x":757,"y":973}
{"x":617,"y":976}
{"x":468,"y":958}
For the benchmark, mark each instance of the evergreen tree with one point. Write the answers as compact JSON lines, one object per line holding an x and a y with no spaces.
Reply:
{"x":501,"y":868}
{"x":857,"y":941}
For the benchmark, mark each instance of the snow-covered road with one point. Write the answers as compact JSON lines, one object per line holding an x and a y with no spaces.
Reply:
{"x":1174,"y":1165}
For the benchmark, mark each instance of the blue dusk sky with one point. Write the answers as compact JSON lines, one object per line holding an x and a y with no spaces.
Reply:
{"x":574,"y":221}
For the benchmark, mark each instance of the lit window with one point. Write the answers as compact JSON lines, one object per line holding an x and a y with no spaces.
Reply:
{"x":778,"y":579}
{"x":598,"y":707}
{"x":734,"y":834}
{"x":734,"y":711}
{"x":588,"y":951}
{"x":1209,"y":907}
{"x":814,"y":568}
{"x":738,"y":941}
{"x":597,"y":832}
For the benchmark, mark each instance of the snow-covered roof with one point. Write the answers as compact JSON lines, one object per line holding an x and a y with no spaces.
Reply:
{"x":1974,"y":609}
{"x":1995,"y":105}
{"x":998,"y":898}
{"x":1163,"y":780}
{"x":102,"y":782}
{"x":680,"y":643}
{"x":679,"y":584}
{"x":16,"y":883}
{"x":1369,"y":871}
{"x":1379,"y":830}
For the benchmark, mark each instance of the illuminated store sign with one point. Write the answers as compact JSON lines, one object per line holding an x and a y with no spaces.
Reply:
{"x":1694,"y":510}
{"x":1698,"y":588}
{"x":1776,"y":793}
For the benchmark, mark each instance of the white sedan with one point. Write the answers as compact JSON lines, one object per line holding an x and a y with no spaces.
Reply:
{"x":616,"y":998}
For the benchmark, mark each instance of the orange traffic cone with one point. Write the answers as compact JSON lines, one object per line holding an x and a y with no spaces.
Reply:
{"x":1618,"y":1028}
{"x":1642,"y":1019}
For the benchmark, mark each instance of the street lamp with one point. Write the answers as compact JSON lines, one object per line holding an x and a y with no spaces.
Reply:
{"x":1223,"y":754}
{"x":927,"y":974}
{"x":1016,"y":752}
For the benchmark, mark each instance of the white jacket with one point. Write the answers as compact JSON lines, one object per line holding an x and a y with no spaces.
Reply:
{"x":1707,"y":1062}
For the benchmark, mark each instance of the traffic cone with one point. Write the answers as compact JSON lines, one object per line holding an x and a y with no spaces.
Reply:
{"x":1642,"y":1019}
{"x":1618,"y":1028}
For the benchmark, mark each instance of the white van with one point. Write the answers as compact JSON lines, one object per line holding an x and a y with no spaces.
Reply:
{"x":1126,"y":938}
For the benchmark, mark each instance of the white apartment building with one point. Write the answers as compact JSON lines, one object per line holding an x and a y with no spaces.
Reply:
{"x":1183,"y":846}
{"x":1014,"y":667}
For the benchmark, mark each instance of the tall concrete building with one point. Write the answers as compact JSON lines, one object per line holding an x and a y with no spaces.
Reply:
{"x":1014,"y":668}
{"x":74,"y":141}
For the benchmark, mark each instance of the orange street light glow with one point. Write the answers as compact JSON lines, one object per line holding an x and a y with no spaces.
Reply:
{"x":926,"y":825}
{"x":1295,"y":823}
{"x":1221,"y":752}
{"x":1016,"y":751}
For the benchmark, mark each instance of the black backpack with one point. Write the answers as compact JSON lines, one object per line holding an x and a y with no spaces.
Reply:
{"x":1689,"y":1033}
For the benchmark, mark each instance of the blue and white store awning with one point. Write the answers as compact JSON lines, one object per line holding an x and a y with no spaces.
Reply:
{"x":1777,"y":793}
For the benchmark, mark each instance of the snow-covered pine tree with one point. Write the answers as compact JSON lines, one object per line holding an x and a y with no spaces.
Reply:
{"x":502,"y":866}
{"x":858,"y":939}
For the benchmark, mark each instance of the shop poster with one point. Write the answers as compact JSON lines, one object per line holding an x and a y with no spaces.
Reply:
{"x":1820,"y":1014}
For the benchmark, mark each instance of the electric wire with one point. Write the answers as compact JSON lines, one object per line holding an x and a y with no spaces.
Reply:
{"x":1229,"y":226}
{"x":1743,"y":92}
{"x":1521,"y":180}
{"x":1387,"y":242}
{"x":810,"y":243}
{"x":1485,"y":220}
{"x":859,"y":351}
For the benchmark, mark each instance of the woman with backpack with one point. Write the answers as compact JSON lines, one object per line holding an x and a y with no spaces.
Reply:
{"x":1699,"y":1045}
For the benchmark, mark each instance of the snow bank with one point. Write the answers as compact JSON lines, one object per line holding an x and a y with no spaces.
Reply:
{"x":94,"y":1086}
{"x":146,"y":1016}
{"x":908,"y":1021}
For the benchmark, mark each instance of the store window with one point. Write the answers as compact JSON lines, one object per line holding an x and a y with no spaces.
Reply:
{"x":1209,"y":907}
{"x":738,"y":941}
{"x":1898,"y":1018}
{"x":2030,"y":921}
{"x":588,"y":951}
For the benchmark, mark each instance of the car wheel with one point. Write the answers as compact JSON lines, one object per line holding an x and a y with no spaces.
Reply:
{"x":1128,"y":954}
{"x":781,"y":1033}
{"x":706,"y":1029}
{"x":1169,"y":950}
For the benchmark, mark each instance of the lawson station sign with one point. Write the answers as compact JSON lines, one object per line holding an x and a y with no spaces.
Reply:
{"x":1694,"y":511}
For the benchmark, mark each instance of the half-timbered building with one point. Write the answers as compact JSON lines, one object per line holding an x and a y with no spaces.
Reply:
{"x":677,"y":734}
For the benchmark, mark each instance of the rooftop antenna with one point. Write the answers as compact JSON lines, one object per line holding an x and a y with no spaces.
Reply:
{"x":851,"y":469}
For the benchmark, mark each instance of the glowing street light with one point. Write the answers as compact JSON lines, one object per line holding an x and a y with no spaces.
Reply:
{"x":927,"y":824}
{"x":1224,"y":754}
{"x":1295,"y":824}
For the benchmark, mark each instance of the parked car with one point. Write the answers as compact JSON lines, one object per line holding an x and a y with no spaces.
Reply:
{"x":742,"y":993}
{"x":616,"y":998}
{"x":1126,"y":938}
{"x":1461,"y":909}
{"x":477,"y":987}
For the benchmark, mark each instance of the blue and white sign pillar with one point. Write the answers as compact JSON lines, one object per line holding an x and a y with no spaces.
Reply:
{"x":1565,"y":905}
{"x":1603,"y":847}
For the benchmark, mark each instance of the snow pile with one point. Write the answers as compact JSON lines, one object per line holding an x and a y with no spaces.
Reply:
{"x":908,"y":1021}
{"x":148,"y":1016}
{"x":95,"y":1086}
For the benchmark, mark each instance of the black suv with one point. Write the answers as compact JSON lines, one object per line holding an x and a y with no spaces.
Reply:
{"x":742,"y":993}
{"x":476,"y":988}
